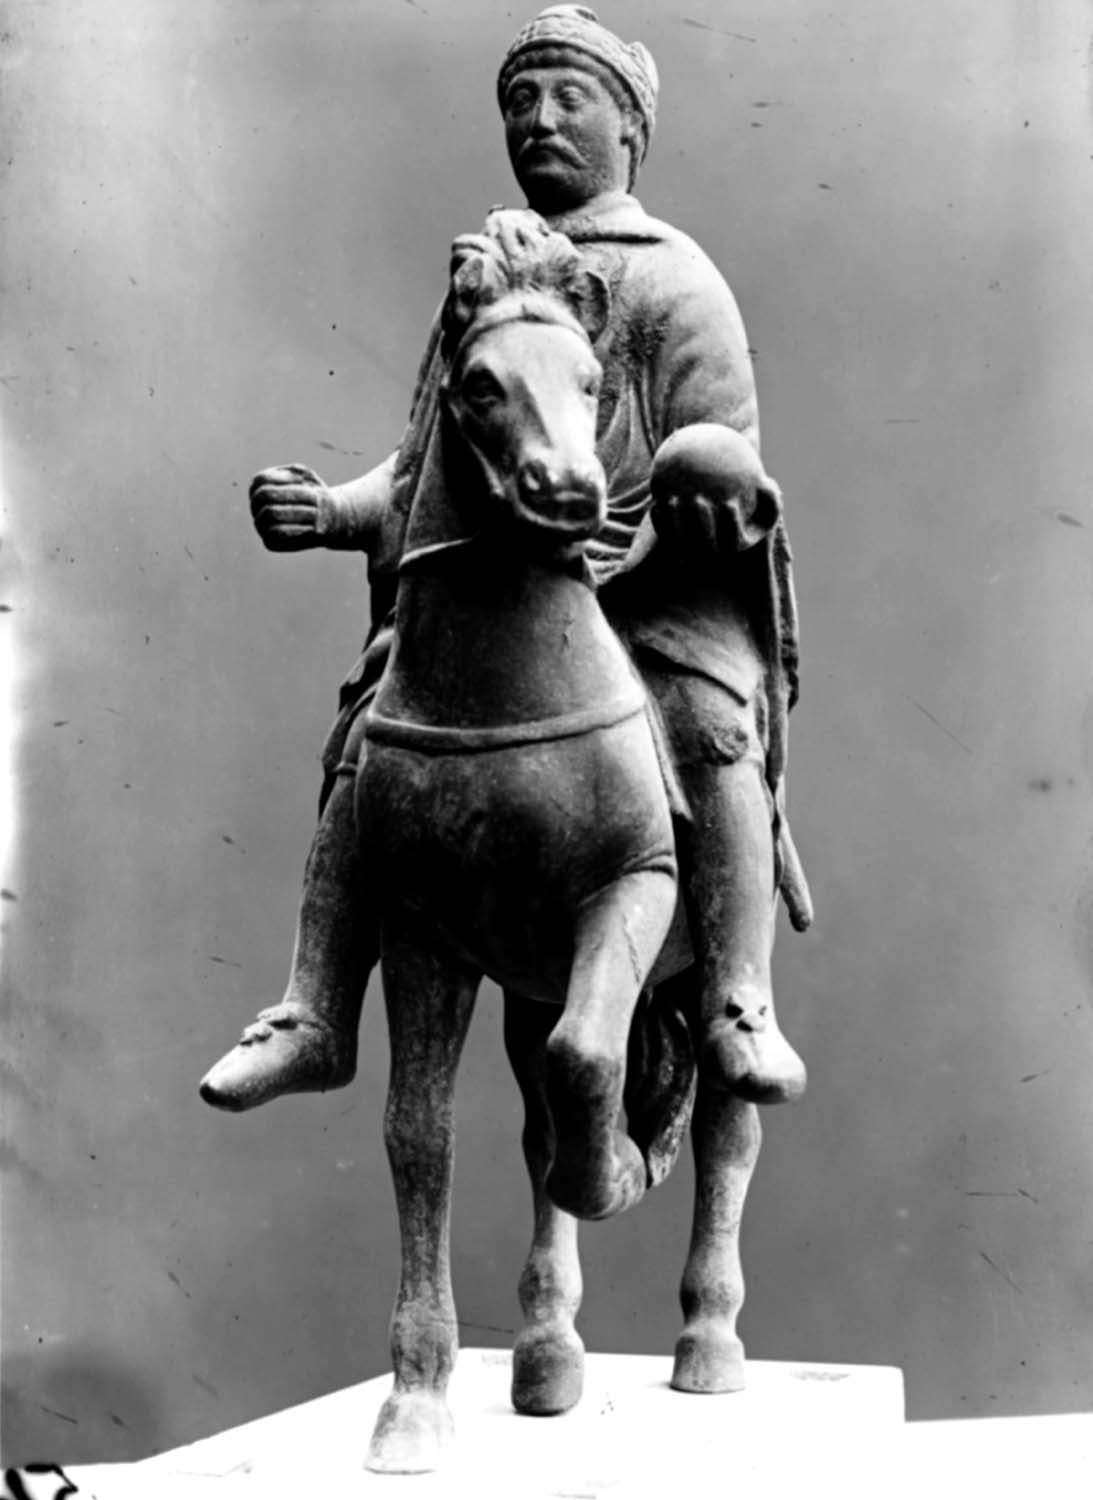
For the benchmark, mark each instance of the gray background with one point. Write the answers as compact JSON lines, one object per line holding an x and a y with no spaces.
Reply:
{"x":226,"y":226}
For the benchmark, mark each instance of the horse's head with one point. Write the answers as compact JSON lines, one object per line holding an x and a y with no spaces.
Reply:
{"x":521,"y":378}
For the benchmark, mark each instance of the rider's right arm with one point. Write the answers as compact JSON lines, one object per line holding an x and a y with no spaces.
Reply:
{"x":350,"y":519}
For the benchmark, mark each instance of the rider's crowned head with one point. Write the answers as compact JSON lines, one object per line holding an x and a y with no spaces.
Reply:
{"x":579,"y":106}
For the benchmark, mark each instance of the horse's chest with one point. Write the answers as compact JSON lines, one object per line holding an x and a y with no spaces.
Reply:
{"x":497,"y":850}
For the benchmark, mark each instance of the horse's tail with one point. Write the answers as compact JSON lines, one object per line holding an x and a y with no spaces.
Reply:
{"x":660,"y":1079}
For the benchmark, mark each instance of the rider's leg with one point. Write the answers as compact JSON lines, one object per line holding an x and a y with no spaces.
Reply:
{"x":308,"y":1042}
{"x":728,"y":875}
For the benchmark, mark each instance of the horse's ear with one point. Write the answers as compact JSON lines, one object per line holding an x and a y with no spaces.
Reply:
{"x":466,"y":273}
{"x":592,"y":297}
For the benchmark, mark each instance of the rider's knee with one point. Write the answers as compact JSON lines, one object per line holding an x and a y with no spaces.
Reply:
{"x":342,"y":757}
{"x":711,"y":726}
{"x":725,"y":744}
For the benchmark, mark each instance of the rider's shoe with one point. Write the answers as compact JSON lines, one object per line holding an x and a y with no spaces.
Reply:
{"x":287,"y":1050}
{"x":747,"y":1053}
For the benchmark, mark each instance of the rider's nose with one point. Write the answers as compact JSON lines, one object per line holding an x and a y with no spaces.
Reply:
{"x":545,"y":119}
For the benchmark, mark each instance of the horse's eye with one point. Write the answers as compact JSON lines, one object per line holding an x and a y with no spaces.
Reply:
{"x":591,"y":386}
{"x":481,"y":389}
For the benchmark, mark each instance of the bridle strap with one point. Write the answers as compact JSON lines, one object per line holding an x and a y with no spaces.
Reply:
{"x":531,"y":306}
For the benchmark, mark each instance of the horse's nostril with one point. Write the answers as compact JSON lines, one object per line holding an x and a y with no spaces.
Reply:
{"x":569,"y":496}
{"x":533,"y":477}
{"x":590,"y":483}
{"x":537,"y":479}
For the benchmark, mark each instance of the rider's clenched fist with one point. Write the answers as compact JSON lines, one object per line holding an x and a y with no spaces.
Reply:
{"x":292,"y":508}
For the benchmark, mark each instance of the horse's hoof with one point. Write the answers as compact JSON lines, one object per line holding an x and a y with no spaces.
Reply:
{"x":758,"y":1066}
{"x":286,"y":1051}
{"x":587,"y":1193}
{"x":412,"y":1433}
{"x":547,"y":1371}
{"x":708,"y":1361}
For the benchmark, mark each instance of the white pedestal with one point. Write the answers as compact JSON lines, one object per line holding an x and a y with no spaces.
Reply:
{"x":630,"y":1436}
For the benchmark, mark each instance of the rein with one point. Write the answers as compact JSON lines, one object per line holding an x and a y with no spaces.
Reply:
{"x":444,"y":739}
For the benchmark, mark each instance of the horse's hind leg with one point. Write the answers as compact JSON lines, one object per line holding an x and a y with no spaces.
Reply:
{"x":725,"y":1133}
{"x":548,"y":1358}
{"x":597,"y":1169}
{"x":429,"y":1004}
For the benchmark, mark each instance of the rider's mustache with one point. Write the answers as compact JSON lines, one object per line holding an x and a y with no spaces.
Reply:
{"x":555,"y":145}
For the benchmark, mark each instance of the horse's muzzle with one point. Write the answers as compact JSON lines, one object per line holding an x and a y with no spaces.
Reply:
{"x":571,"y":501}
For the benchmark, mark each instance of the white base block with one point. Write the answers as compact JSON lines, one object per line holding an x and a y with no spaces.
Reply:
{"x":630,"y":1435}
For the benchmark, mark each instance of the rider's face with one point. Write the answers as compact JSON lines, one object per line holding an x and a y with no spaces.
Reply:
{"x":568,"y":137}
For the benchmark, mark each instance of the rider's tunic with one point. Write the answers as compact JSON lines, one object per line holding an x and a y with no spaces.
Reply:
{"x":674,"y":352}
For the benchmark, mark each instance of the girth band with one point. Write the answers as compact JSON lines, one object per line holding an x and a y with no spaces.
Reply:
{"x":442,"y":739}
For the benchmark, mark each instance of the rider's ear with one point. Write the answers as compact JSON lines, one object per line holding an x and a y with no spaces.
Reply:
{"x":593,"y":303}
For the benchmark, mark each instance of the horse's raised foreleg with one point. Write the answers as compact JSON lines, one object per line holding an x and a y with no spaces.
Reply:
{"x":597,"y":1169}
{"x":429,"y":1003}
{"x":548,"y":1357}
{"x":725,"y":1133}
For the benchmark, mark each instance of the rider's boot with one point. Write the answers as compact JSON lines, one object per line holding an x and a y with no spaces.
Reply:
{"x":746,"y":1050}
{"x":308,"y":1043}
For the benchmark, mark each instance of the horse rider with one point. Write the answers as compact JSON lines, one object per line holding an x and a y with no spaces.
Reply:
{"x":695,"y":578}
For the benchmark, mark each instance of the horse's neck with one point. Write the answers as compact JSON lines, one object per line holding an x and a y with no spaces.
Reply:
{"x":479,"y":641}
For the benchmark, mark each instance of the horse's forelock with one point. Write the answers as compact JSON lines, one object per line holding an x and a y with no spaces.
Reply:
{"x":516,"y":253}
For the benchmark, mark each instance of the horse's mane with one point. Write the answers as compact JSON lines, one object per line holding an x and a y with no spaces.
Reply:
{"x":518,"y":255}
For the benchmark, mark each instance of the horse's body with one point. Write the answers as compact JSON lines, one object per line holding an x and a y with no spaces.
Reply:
{"x":513,"y":792}
{"x":497,"y":834}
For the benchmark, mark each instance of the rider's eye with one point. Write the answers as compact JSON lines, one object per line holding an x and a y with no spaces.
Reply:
{"x":518,"y":101}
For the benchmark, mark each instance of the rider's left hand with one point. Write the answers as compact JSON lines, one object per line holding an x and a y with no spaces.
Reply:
{"x":711,"y":492}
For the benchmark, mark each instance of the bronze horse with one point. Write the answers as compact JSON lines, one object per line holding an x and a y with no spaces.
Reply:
{"x":513,"y":794}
